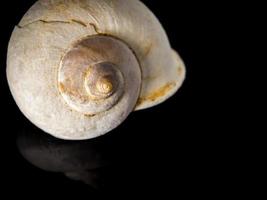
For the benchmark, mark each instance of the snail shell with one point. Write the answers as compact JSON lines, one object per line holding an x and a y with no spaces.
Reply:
{"x":77,"y":68}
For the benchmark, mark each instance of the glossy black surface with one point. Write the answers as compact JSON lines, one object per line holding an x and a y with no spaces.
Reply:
{"x":84,"y":161}
{"x":167,"y":150}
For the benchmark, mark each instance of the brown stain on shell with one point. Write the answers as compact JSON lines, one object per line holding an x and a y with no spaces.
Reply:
{"x":89,"y":115}
{"x":180,"y":70}
{"x":160,"y":92}
{"x":62,"y":87}
{"x":79,"y":22}
{"x":148,"y":49}
{"x":70,"y":92}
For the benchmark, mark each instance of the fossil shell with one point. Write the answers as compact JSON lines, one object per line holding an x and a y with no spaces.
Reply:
{"x":77,"y":68}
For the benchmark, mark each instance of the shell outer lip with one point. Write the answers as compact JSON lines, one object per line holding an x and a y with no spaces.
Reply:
{"x":164,"y":92}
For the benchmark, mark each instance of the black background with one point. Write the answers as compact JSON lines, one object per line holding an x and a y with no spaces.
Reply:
{"x":170,"y":149}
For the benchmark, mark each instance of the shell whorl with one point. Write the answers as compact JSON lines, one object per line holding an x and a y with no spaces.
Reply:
{"x":90,"y":77}
{"x":102,"y":80}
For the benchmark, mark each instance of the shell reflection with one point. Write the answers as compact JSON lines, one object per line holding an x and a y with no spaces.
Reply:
{"x":87,"y":161}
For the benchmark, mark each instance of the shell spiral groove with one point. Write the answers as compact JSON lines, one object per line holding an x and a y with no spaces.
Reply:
{"x":90,"y":79}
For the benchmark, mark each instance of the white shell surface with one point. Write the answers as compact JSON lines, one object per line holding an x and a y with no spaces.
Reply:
{"x":34,"y":55}
{"x":131,"y":21}
{"x":46,"y":32}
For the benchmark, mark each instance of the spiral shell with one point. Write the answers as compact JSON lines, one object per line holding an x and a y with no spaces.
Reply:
{"x":94,"y":75}
{"x":77,"y":68}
